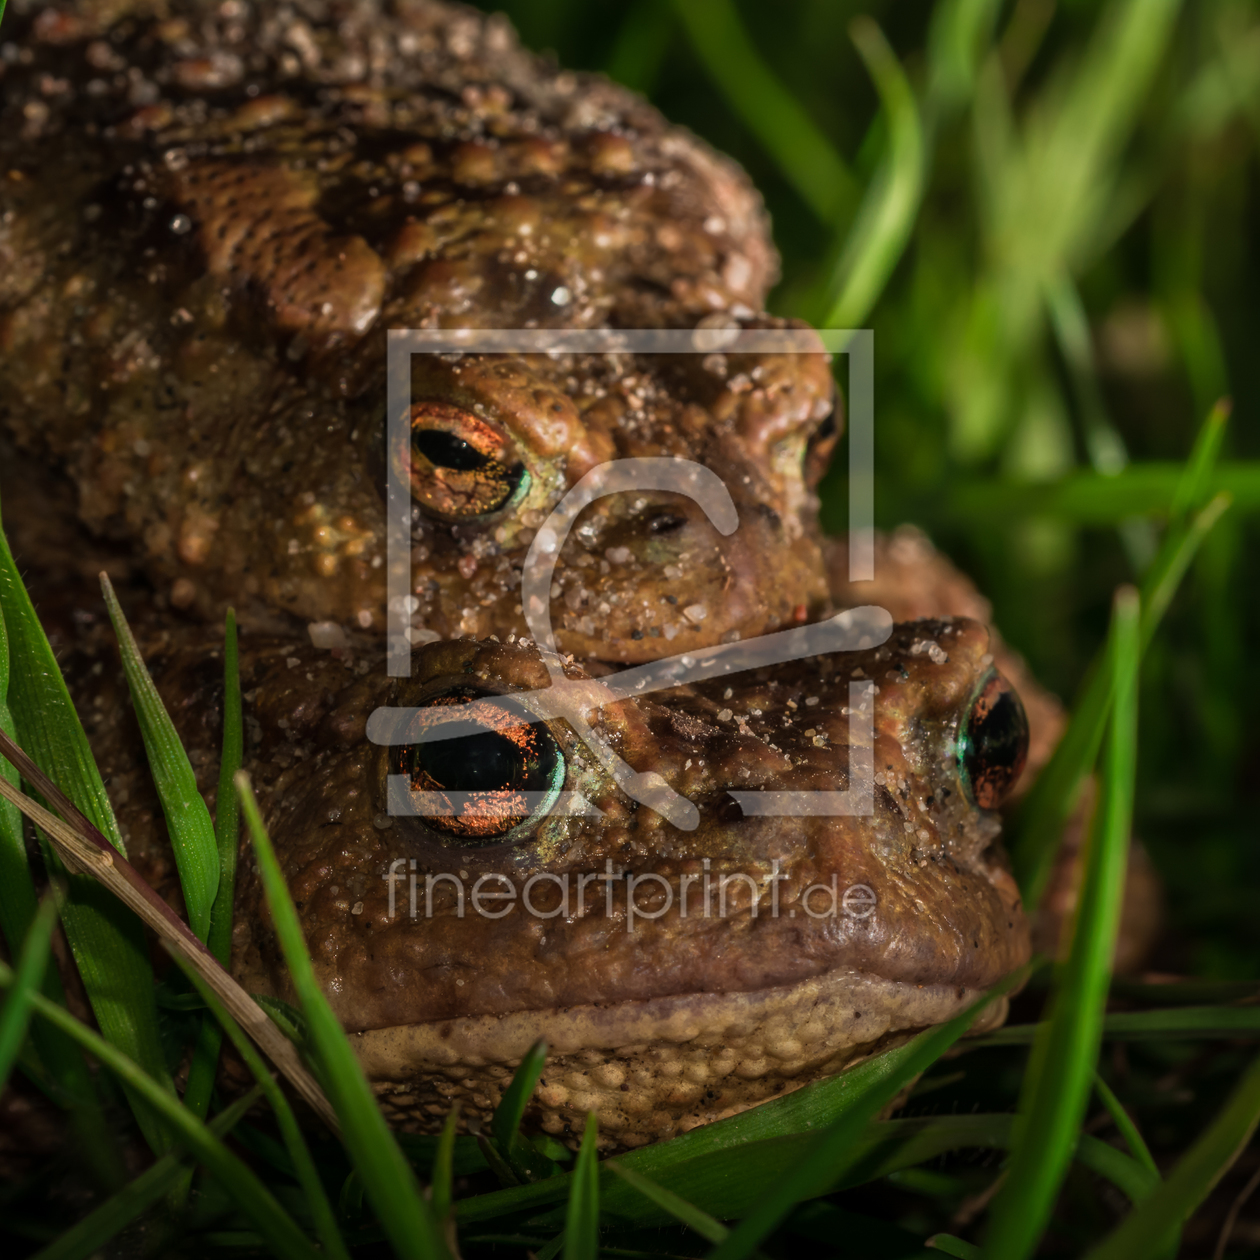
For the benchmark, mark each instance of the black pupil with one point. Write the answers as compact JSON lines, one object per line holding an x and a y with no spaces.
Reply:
{"x":472,"y":763}
{"x":445,"y":450}
{"x":996,"y":746}
{"x":484,"y":783}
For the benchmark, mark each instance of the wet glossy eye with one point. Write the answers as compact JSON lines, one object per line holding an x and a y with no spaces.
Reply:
{"x":461,"y":465}
{"x":478,"y":787}
{"x":993,"y":742}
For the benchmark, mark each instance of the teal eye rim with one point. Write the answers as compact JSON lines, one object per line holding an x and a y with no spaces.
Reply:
{"x":524,"y":484}
{"x":1003,"y":747}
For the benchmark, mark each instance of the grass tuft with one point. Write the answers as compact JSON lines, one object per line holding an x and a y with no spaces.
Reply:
{"x":187,"y":819}
{"x":581,"y":1222}
{"x":388,"y":1182}
{"x":1061,"y":1067}
{"x":107,"y":942}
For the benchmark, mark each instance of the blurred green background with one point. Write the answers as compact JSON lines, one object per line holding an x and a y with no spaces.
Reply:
{"x":1046,"y":211}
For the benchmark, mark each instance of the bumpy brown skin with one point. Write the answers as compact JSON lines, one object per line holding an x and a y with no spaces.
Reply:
{"x":208,"y":221}
{"x":913,"y":580}
{"x":443,"y":1003}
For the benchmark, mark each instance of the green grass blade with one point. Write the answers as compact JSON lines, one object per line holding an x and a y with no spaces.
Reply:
{"x":1103,"y":442}
{"x":227,"y":808}
{"x":191,"y":833}
{"x":526,"y":1162}
{"x":1184,"y":992}
{"x":42,"y":709}
{"x":1137,"y":1146}
{"x":581,"y":1223}
{"x":350,"y":1200}
{"x":18,"y":909}
{"x":1112,"y":83}
{"x":15,"y":1014}
{"x":1124,"y":1123}
{"x":202,"y":1069}
{"x":1170,"y":565}
{"x":1144,"y":1230}
{"x":405,"y":1216}
{"x":831,"y":1151}
{"x":247,"y":1192}
{"x":961,"y":32}
{"x":552,"y":1249}
{"x":1195,"y":485}
{"x":227,"y":826}
{"x":1056,"y":793}
{"x":1179,"y":1023}
{"x":1054,"y":796}
{"x":88,"y":1236}
{"x":18,"y":901}
{"x":57,"y":1056}
{"x":690,"y":1215}
{"x":444,"y":1166}
{"x":948,"y":1245}
{"x":1061,"y":1067}
{"x":798,"y":1116}
{"x":506,"y":1121}
{"x":187,"y":819}
{"x":805,"y":156}
{"x":1148,"y":488}
{"x":106,"y":940}
{"x":724,"y":1181}
{"x":888,"y":211}
{"x":287,"y":1018}
{"x":422,"y":1151}
{"x":304,"y":1169}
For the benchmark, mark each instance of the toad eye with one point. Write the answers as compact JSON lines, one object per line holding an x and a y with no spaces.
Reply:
{"x":461,"y":465}
{"x":478,"y":788}
{"x":993,"y":742}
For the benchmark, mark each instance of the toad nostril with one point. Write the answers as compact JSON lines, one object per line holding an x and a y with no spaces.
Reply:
{"x":666,"y":523}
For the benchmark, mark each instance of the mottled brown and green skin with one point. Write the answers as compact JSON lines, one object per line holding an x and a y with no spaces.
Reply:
{"x":208,"y":222}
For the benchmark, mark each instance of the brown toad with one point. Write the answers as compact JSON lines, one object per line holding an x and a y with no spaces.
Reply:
{"x":678,"y":974}
{"x":212,"y":214}
{"x":210,"y":219}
